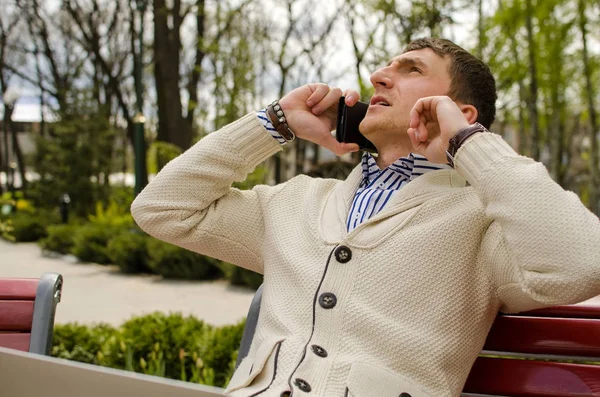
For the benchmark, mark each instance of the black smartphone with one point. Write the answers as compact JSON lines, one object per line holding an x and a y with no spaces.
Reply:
{"x":348,"y":120}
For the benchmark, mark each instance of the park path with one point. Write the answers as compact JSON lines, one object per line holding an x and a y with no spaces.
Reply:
{"x":94,"y":293}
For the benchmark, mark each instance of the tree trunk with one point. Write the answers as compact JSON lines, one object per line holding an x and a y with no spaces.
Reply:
{"x":18,"y":153}
{"x":594,"y":170}
{"x":195,"y":74}
{"x":533,"y":86}
{"x":480,"y":29}
{"x":167,"y":47}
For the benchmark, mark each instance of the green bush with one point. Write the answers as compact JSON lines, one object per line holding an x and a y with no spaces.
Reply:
{"x":23,"y":226}
{"x":171,"y":261}
{"x":128,"y":251}
{"x":80,"y":343}
{"x":90,"y":243}
{"x":240,"y":276}
{"x":173,"y":346}
{"x":246,"y":278}
{"x":59,"y":238}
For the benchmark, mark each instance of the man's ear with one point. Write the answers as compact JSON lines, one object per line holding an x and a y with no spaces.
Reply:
{"x":469,"y":111}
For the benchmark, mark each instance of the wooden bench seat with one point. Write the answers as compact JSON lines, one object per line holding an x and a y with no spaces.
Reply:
{"x":27,"y":308}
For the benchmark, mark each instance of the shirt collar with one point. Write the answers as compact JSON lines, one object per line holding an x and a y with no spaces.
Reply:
{"x":407,"y":168}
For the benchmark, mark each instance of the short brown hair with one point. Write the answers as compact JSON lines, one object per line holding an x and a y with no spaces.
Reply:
{"x":472,"y":81}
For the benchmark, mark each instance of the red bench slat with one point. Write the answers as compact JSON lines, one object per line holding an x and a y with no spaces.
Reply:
{"x":528,"y":378}
{"x":551,"y":336}
{"x":18,"y":341}
{"x":18,"y":288}
{"x":587,"y":309}
{"x":16,"y":315}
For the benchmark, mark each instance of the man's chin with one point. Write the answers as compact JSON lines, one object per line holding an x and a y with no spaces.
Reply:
{"x":367,"y":126}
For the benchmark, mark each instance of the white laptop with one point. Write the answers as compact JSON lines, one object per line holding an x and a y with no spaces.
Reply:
{"x":31,"y":375}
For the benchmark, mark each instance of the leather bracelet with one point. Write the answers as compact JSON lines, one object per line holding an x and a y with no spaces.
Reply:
{"x":461,"y":136}
{"x":279,"y":121}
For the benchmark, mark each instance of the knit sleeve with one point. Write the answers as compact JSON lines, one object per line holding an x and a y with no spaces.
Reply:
{"x":543,"y":245}
{"x":191,"y":203}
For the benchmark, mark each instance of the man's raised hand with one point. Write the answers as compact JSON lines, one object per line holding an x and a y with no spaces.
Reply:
{"x":433,"y":122}
{"x":311,"y":112}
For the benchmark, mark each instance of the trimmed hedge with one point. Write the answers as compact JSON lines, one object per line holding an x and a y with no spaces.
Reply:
{"x":59,"y":239}
{"x":90,"y":243}
{"x":25,"y":226}
{"x":112,"y":239}
{"x":172,"y":346}
{"x":129,"y":251}
{"x":171,"y":261}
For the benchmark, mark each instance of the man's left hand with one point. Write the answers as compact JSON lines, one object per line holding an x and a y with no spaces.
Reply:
{"x":433,"y":122}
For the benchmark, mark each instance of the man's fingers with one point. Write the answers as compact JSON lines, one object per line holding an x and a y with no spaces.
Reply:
{"x":352,"y":96}
{"x":319,"y":90}
{"x":339,"y":148}
{"x":330,"y":99}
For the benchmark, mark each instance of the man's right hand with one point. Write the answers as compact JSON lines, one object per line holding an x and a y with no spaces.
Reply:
{"x":311,"y":112}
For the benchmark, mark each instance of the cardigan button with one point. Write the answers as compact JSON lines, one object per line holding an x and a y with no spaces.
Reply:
{"x":343,"y":254}
{"x":405,"y":395}
{"x":327,"y":300}
{"x":319,"y":351}
{"x":302,"y":385}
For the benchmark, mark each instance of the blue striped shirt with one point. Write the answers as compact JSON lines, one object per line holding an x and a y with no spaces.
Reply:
{"x":377,"y":186}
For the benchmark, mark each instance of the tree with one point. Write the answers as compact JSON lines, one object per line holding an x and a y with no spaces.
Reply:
{"x":594,"y":184}
{"x":532,"y":98}
{"x":9,"y":24}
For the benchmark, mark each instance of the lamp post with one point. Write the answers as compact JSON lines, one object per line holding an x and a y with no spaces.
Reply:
{"x":141,"y":174}
{"x":10,"y":98}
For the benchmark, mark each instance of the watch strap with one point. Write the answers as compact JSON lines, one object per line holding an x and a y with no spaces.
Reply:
{"x":460,"y":138}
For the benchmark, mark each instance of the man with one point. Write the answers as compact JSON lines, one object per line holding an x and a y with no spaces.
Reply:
{"x":387,"y":283}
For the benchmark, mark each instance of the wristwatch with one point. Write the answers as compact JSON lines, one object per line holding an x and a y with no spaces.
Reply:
{"x":461,"y":136}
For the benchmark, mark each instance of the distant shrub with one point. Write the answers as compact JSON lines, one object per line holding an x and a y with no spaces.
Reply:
{"x":24,"y":226}
{"x":171,"y":261}
{"x":90,"y":243}
{"x":129,"y":251}
{"x":59,"y":238}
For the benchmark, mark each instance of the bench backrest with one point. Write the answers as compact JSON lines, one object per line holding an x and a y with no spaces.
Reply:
{"x":27,"y":308}
{"x":548,"y":352}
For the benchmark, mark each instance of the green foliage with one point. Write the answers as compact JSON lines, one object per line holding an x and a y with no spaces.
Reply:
{"x":59,"y":238}
{"x":17,"y":201}
{"x":220,"y":350}
{"x":172,"y":346}
{"x":256,"y":177}
{"x":159,"y":154}
{"x":171,"y":261}
{"x":122,"y":197}
{"x":90,"y":243}
{"x":244,"y":277}
{"x":80,"y":343}
{"x":128,"y":251}
{"x":76,"y":157}
{"x":113,"y":216}
{"x":23,"y":226}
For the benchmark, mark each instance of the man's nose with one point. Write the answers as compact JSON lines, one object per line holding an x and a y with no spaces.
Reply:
{"x":381,"y":78}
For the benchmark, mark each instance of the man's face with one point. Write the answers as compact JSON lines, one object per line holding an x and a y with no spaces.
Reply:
{"x":407,"y":78}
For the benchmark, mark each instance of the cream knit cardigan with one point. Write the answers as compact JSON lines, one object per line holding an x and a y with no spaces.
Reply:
{"x":426,"y":278}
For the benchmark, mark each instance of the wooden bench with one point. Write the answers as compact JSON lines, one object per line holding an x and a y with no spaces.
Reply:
{"x":27,"y":308}
{"x":547,"y":352}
